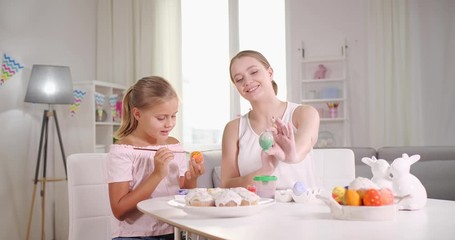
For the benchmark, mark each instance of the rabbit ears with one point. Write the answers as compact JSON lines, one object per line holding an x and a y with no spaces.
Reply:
{"x":412,"y":159}
{"x":372,"y":161}
{"x":369,"y":161}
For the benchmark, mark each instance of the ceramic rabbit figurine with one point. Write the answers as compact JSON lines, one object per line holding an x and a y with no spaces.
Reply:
{"x":407,"y":187}
{"x":380,"y":171}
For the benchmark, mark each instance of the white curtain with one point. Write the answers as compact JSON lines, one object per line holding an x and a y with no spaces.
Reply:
{"x":394,"y":104}
{"x":393,"y":110}
{"x":138,"y":38}
{"x":410,"y":76}
{"x":436,"y":20}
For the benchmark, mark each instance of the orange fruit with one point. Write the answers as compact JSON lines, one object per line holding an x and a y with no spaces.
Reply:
{"x":197,"y":156}
{"x":352,"y":198}
{"x":372,"y":197}
{"x":386,"y":196}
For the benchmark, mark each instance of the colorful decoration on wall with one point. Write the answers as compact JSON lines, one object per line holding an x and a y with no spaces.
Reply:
{"x":113,"y":105}
{"x":9,"y":68}
{"x":79,"y":95}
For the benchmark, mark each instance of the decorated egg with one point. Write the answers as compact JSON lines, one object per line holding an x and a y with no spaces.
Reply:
{"x":338,"y":194}
{"x":299,"y":188}
{"x":251,"y":188}
{"x":197,"y":156}
{"x":266,"y":140}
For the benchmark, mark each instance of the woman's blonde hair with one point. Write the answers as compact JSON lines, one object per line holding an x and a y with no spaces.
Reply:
{"x":256,"y":55}
{"x":145,"y":93}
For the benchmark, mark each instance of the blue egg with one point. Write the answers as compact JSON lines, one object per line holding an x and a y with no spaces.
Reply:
{"x":299,"y":188}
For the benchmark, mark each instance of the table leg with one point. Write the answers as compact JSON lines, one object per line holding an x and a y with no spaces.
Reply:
{"x":177,"y":234}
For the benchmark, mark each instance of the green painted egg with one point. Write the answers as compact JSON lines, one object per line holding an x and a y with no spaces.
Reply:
{"x":266,"y":140}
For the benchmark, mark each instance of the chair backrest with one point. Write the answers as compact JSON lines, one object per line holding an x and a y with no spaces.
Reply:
{"x":89,"y":208}
{"x":335,"y":166}
{"x":212,"y":161}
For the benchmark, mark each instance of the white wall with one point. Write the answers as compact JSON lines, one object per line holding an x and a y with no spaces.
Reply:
{"x":37,"y":32}
{"x":437,"y":38}
{"x":320,"y":27}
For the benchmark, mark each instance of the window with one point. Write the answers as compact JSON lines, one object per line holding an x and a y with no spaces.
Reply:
{"x":205,"y":56}
{"x":262,"y":28}
{"x":205,"y":61}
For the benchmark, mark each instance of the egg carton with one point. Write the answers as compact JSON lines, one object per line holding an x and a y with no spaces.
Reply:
{"x":287,"y":195}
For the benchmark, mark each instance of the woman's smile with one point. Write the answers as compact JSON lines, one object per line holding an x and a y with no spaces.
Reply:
{"x":252,"y":89}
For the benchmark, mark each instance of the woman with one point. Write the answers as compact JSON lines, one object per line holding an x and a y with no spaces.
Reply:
{"x":295,"y":128}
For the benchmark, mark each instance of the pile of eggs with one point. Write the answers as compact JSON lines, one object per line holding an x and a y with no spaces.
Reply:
{"x":362,"y":192}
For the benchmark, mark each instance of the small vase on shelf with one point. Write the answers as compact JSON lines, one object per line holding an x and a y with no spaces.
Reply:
{"x":101,"y":115}
{"x":333,"y":109}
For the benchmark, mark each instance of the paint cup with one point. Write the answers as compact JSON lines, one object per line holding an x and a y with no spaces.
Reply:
{"x":265,"y":186}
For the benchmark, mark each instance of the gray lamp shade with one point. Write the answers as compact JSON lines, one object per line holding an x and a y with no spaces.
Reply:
{"x":50,"y":84}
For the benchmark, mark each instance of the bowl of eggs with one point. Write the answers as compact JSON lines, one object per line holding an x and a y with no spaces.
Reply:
{"x":361,"y":200}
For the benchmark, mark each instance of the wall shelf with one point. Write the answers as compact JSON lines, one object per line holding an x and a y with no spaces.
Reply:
{"x":320,"y":92}
{"x":98,"y":135}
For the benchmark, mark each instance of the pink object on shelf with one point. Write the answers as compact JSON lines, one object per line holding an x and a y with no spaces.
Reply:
{"x":333,"y":112}
{"x":118,"y":108}
{"x":333,"y":109}
{"x":320,"y":73}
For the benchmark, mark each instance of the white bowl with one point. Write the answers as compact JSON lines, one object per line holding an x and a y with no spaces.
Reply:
{"x":367,"y":213}
{"x":360,"y":213}
{"x":284,"y":195}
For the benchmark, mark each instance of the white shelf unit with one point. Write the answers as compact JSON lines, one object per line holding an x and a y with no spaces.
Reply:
{"x":100,"y":133}
{"x":332,"y":89}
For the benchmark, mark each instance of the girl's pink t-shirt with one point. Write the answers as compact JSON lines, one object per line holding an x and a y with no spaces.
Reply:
{"x":125,"y":164}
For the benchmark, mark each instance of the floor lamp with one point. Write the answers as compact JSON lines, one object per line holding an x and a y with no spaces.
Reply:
{"x":48,"y":85}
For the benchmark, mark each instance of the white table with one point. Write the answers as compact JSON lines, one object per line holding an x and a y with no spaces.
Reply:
{"x":310,"y":221}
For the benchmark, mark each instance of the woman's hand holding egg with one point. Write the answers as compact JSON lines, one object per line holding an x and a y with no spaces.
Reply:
{"x":284,"y":141}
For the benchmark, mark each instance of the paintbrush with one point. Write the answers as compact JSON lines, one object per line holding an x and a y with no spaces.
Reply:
{"x":154,"y":150}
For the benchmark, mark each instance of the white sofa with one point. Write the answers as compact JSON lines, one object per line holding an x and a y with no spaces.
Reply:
{"x":335,"y":167}
{"x":435,"y":169}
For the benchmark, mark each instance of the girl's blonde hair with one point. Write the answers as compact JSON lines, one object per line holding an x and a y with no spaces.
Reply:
{"x":145,"y":93}
{"x":256,"y":55}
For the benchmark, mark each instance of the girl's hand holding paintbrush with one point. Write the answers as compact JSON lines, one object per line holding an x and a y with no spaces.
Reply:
{"x":161,"y":162}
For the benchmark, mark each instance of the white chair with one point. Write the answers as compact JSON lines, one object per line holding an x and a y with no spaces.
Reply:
{"x":89,"y":208}
{"x":335,"y":166}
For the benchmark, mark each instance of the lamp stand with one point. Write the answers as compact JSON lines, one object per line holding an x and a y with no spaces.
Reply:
{"x":44,"y":136}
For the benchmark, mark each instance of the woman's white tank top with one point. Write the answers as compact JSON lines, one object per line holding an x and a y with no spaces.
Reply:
{"x":249,"y":158}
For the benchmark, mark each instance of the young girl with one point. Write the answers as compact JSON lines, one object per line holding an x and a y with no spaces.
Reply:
{"x":295,"y":128}
{"x":149,"y":114}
